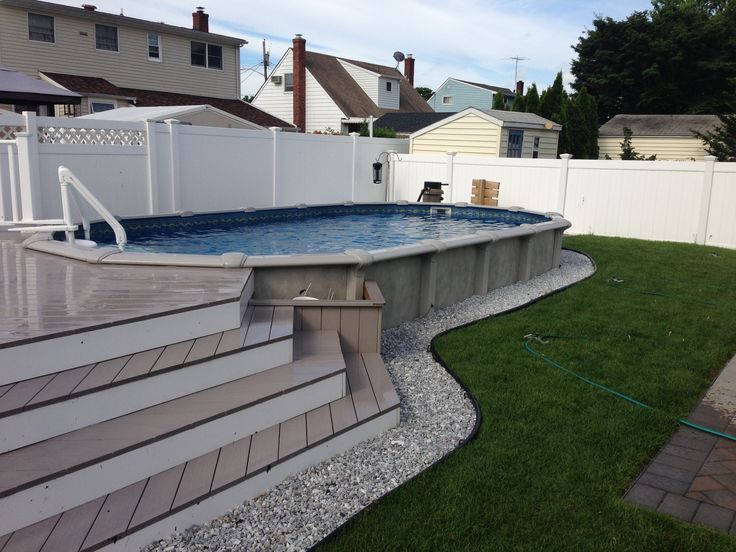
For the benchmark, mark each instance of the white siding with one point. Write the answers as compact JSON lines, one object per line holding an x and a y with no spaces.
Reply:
{"x":469,"y":135}
{"x":386,"y":99}
{"x":272,"y":98}
{"x":75,"y":53}
{"x":367,"y":80}
{"x":666,"y":148}
{"x":322,"y":113}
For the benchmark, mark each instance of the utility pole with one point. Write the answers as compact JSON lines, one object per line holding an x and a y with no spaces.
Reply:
{"x":517,"y":59}
{"x":265,"y":61}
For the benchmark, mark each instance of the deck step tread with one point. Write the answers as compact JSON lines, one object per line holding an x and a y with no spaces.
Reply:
{"x":163,"y":494}
{"x":43,"y":390}
{"x":30,"y":465}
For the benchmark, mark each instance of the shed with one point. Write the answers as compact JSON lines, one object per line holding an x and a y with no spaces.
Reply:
{"x":669,"y":137}
{"x":197,"y":115}
{"x":490,"y":132}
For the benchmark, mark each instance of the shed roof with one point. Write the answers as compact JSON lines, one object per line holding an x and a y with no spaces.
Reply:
{"x":508,"y":119}
{"x":161,"y":113}
{"x":349,"y":96}
{"x":409,"y":122}
{"x":115,"y":19}
{"x":659,"y":125}
{"x":17,"y":87}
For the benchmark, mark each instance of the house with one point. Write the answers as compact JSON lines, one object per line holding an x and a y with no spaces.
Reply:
{"x":197,"y":115}
{"x":318,"y":92}
{"x":18,"y":89}
{"x":454,"y":95}
{"x":669,"y":137}
{"x":406,"y":123}
{"x":490,"y":132}
{"x":115,"y":61}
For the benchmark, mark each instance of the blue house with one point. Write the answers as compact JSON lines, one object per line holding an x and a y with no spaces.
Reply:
{"x":455,"y":95}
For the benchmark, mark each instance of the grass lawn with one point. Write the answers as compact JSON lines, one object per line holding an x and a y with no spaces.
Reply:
{"x":554,"y":456}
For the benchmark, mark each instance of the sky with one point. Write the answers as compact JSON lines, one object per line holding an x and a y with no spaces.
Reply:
{"x":467,"y":39}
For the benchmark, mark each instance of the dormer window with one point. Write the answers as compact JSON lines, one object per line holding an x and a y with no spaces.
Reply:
{"x":388,"y":86}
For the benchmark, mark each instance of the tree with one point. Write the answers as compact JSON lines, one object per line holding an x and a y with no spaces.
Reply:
{"x":628,"y":153}
{"x":424,"y":92}
{"x":518,"y":104}
{"x":663,"y":60}
{"x":248,"y":99}
{"x":378,"y":132}
{"x":499,"y":101}
{"x":721,"y":142}
{"x":531,"y":100}
{"x":551,"y":102}
{"x":579,"y":134}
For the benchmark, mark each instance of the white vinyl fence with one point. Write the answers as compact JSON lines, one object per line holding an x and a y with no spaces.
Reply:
{"x":138,"y":168}
{"x":683,"y":201}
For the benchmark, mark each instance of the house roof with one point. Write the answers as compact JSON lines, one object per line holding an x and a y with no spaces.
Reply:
{"x":114,"y":19}
{"x":161,"y":113}
{"x":236,"y":107}
{"x":409,"y":122}
{"x":17,"y":87}
{"x":509,"y":119}
{"x":147,"y":98}
{"x":499,"y":89}
{"x":659,"y":125}
{"x":349,"y":96}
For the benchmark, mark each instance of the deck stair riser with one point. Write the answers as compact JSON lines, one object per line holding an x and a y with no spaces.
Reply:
{"x":48,"y":356}
{"x":33,"y":425}
{"x":70,"y":490}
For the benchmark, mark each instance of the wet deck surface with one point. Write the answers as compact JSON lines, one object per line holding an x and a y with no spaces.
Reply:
{"x":693,"y":478}
{"x":42,"y":295}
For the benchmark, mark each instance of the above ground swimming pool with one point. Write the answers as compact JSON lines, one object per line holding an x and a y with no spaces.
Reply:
{"x":421,"y":255}
{"x":320,"y":229}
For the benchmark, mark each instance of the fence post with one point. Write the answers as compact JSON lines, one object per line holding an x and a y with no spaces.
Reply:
{"x":275,"y":133}
{"x":152,"y":168}
{"x":450,"y":175}
{"x":705,"y":195}
{"x":173,"y":126}
{"x":354,"y":162}
{"x":28,"y":169}
{"x":562,"y":188}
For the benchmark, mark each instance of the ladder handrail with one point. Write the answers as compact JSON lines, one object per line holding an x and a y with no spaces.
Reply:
{"x":66,"y":179}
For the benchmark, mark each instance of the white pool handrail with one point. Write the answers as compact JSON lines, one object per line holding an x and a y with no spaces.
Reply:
{"x":66,"y":179}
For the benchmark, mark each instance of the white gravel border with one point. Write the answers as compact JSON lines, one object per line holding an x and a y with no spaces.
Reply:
{"x":436,"y":416}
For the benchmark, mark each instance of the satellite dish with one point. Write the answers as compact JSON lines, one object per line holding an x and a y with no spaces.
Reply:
{"x":399,"y":57}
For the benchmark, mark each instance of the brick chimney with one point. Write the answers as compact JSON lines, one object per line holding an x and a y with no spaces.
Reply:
{"x":409,"y":68}
{"x":299,"y":97}
{"x":520,"y":87}
{"x":200,"y":20}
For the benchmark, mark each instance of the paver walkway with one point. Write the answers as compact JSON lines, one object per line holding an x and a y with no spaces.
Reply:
{"x":693,"y":477}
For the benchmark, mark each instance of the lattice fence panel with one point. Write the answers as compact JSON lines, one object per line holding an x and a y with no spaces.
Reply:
{"x":8,"y":132}
{"x":91,"y":136}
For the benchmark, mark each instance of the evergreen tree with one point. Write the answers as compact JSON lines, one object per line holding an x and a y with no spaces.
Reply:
{"x":531,"y":100}
{"x":628,"y":153}
{"x":566,"y":140}
{"x":518,"y":104}
{"x":551,"y":102}
{"x":499,"y":102}
{"x":721,"y":142}
{"x":424,"y":92}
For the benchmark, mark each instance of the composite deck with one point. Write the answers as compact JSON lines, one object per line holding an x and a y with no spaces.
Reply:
{"x":42,"y":295}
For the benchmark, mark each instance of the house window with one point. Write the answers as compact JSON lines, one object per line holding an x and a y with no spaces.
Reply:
{"x":154,"y":47}
{"x":446,"y":100}
{"x":516,"y":137}
{"x":40,"y":27}
{"x":288,"y":82}
{"x":106,"y":38}
{"x":96,"y":105}
{"x":388,"y":86}
{"x":206,"y":55}
{"x":535,"y":148}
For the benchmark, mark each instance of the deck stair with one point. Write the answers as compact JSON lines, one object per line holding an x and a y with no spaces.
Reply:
{"x":116,"y":450}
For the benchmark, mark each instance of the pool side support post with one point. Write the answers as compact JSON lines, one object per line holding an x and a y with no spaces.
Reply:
{"x":483,"y":263}
{"x":428,"y":277}
{"x":356,"y":273}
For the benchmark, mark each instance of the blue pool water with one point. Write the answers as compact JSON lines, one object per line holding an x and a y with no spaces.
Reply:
{"x":330,"y":229}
